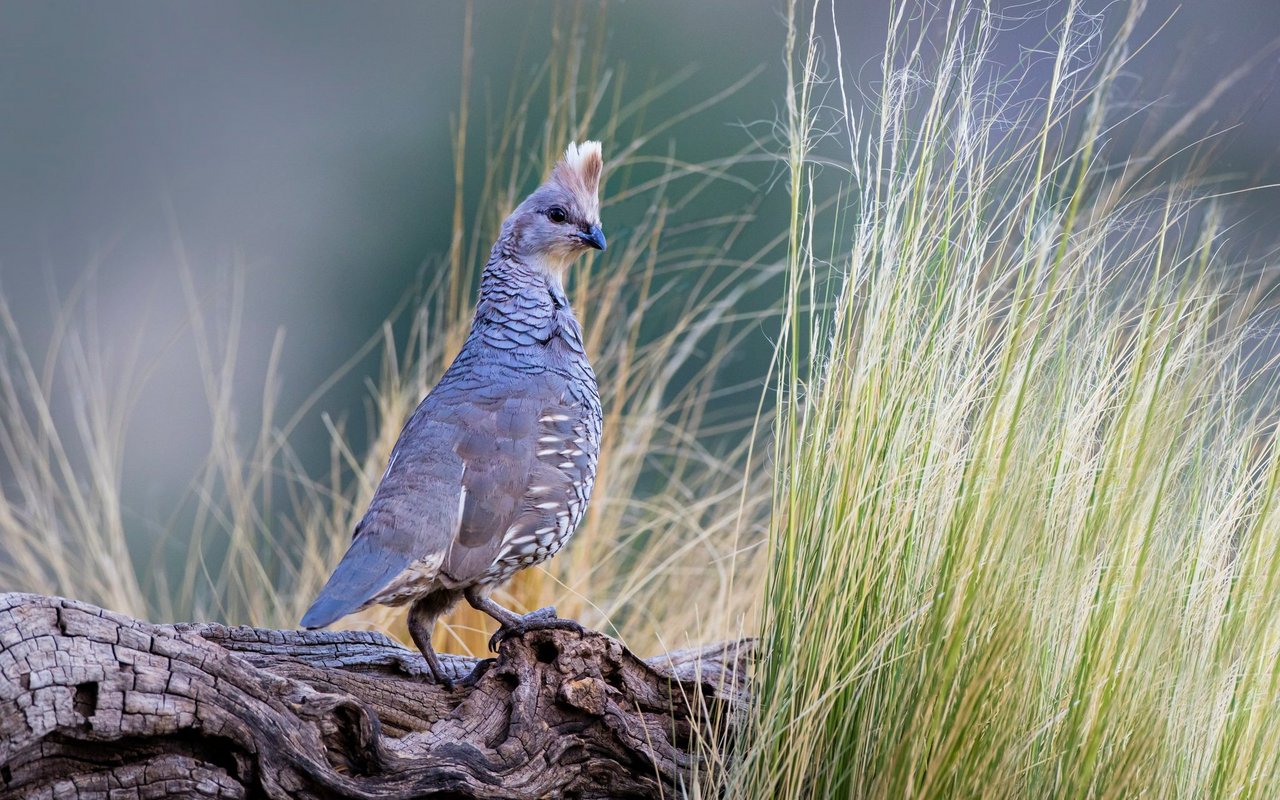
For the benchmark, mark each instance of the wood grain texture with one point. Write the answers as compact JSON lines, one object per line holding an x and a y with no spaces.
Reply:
{"x":95,"y":704}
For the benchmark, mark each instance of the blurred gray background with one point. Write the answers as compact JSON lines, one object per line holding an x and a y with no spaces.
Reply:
{"x":309,"y":142}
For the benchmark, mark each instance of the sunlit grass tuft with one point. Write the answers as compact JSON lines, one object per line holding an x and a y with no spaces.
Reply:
{"x":1026,"y":499}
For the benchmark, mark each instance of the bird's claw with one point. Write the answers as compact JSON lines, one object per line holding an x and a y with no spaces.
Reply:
{"x":497,"y":637}
{"x":437,"y":674}
{"x":475,"y":675}
{"x":441,"y":680}
{"x":555,"y":623}
{"x":540,"y":620}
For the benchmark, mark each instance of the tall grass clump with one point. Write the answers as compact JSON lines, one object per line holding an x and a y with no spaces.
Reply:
{"x":1026,"y":535}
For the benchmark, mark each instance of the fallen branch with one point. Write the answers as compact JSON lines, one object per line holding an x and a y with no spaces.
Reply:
{"x":97,"y":704}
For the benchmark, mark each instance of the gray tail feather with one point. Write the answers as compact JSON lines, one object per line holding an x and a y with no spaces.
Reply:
{"x":364,"y":571}
{"x":325,"y":611}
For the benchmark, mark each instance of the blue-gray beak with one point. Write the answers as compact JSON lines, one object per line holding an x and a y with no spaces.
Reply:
{"x":593,"y":236}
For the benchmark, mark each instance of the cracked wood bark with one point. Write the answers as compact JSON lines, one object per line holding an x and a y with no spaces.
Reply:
{"x":97,"y":704}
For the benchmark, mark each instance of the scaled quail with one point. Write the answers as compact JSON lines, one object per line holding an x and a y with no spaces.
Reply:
{"x":493,"y":471}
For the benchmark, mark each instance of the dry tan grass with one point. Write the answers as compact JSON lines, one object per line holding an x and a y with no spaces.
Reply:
{"x":668,"y":524}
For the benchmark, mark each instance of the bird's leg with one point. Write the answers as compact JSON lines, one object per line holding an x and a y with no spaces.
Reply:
{"x":481,"y":601}
{"x":422,"y":618}
{"x":512,"y":624}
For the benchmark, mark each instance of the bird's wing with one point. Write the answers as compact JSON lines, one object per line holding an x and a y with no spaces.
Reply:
{"x":455,"y":489}
{"x":499,"y":463}
{"x":410,"y":522}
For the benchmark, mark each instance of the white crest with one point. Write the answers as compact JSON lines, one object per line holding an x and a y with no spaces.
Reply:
{"x":579,"y":173}
{"x":578,"y":156}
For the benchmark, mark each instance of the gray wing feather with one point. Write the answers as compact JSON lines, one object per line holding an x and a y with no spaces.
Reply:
{"x":457,"y":481}
{"x":413,"y":515}
{"x":498,"y":451}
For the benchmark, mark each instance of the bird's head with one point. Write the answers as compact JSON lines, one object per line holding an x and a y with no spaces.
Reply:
{"x":561,"y":220}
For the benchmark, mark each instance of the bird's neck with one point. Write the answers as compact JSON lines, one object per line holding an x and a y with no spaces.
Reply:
{"x":512,"y":279}
{"x":519,"y":297}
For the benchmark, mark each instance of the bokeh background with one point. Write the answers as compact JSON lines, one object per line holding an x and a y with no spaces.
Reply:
{"x":306,"y":146}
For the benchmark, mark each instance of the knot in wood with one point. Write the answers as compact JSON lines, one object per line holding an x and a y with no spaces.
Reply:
{"x":585,"y":694}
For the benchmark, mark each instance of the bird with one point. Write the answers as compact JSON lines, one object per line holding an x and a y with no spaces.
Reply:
{"x":493,"y":470}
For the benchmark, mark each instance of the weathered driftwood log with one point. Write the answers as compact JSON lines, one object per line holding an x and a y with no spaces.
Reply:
{"x":96,"y":704}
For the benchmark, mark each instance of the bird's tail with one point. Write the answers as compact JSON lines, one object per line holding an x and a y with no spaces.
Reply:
{"x":363,"y":573}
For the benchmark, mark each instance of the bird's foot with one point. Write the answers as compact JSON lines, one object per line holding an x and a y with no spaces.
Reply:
{"x":506,"y":630}
{"x":540,"y":620}
{"x":443,"y":681}
{"x":478,"y":672}
{"x":437,"y":671}
{"x":546,"y":612}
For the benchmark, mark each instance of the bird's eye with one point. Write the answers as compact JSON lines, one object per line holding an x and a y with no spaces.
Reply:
{"x":557,"y":214}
